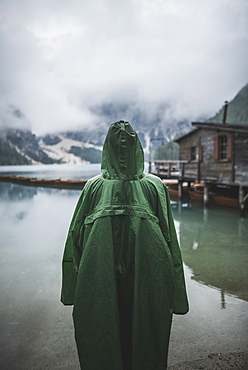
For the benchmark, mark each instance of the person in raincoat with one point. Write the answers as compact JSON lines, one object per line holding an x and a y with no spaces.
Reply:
{"x":122,"y":266}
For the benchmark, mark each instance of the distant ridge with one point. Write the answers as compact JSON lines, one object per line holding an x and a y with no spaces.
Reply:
{"x":18,"y":147}
{"x":77,"y":147}
{"x":237,"y":112}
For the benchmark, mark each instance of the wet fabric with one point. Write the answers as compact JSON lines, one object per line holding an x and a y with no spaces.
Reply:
{"x":122,"y":266}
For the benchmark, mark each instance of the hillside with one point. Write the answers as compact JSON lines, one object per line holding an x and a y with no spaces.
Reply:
{"x":71,"y":148}
{"x":237,"y":109}
{"x":19,"y":147}
{"x":85,"y":146}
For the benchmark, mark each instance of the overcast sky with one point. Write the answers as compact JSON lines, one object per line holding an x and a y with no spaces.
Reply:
{"x":61,"y":58}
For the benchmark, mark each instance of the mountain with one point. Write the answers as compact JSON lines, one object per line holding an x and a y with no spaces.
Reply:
{"x":237,"y":111}
{"x":71,"y":148}
{"x":21,"y":147}
{"x":85,"y":146}
{"x":149,"y":122}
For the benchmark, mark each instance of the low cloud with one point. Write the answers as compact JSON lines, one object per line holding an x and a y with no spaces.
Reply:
{"x":62,"y":61}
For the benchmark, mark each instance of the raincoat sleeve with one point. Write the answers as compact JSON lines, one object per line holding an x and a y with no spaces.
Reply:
{"x":71,"y":255}
{"x":180,"y":303}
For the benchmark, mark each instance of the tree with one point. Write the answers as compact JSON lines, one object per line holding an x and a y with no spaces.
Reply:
{"x":169,"y":151}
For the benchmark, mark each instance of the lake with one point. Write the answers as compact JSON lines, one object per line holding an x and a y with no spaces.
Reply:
{"x":36,"y":330}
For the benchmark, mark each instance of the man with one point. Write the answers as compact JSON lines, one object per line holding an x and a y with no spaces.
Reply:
{"x":122,"y":266}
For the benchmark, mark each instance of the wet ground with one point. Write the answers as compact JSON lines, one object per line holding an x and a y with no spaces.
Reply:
{"x":216,"y":361}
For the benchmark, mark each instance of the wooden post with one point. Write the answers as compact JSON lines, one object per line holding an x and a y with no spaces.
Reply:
{"x":242,"y":227}
{"x":205,"y":214}
{"x":150,"y":156}
{"x":242,"y":199}
{"x":169,"y":170}
{"x":183,"y":169}
{"x":180,"y":189}
{"x":198,"y":171}
{"x":206,"y":195}
{"x":150,"y":167}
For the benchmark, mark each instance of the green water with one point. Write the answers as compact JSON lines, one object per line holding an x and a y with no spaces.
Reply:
{"x":214,"y":244}
{"x":35,"y":328}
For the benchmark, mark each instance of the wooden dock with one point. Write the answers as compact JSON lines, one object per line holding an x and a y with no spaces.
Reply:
{"x":48,"y":183}
{"x":207,"y":191}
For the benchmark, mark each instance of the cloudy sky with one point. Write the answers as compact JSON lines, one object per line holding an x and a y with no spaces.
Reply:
{"x":62,"y":58}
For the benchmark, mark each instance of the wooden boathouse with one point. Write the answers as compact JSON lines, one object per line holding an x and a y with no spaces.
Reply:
{"x":215,"y":154}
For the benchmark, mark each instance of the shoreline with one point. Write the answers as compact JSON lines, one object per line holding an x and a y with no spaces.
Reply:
{"x":225,"y":361}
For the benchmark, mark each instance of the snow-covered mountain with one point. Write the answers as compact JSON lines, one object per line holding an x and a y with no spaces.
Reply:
{"x":84,"y":146}
{"x":21,"y":147}
{"x":66,"y":150}
{"x":74,"y":147}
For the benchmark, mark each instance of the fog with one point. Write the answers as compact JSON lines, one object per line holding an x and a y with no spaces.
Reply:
{"x":61,"y":60}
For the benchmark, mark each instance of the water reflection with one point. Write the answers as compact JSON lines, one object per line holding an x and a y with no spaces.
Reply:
{"x":33,"y":228}
{"x":54,"y":171}
{"x":12,"y":192}
{"x":36,"y":329}
{"x":214,"y":246}
{"x":213,"y":243}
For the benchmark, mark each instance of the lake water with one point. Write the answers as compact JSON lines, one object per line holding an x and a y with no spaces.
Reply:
{"x":36,"y":330}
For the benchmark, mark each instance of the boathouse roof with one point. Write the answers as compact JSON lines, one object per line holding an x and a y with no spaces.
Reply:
{"x":239,"y":128}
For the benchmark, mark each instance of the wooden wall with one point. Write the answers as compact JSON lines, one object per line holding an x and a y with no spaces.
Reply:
{"x":210,"y":169}
{"x":241,"y":159}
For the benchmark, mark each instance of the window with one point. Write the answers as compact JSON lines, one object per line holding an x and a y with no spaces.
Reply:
{"x":222,"y":143}
{"x":223,"y":147}
{"x":194,"y":153}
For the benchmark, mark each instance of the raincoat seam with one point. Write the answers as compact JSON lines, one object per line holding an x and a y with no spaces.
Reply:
{"x":138,"y":213}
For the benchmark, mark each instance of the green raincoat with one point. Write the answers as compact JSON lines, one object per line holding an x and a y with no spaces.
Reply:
{"x":122,"y":266}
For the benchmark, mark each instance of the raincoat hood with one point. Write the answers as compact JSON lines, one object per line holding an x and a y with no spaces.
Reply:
{"x":123,"y":156}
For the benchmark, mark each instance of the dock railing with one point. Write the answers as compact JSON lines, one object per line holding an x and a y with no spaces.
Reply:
{"x":167,"y":169}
